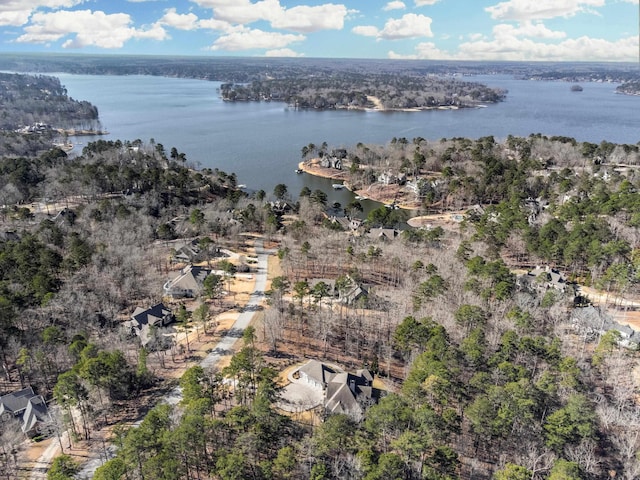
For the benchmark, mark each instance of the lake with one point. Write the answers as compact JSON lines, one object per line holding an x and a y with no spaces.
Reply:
{"x":261,"y":142}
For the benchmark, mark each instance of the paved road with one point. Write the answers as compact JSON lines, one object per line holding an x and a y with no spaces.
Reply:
{"x":41,"y":466}
{"x":223,"y":348}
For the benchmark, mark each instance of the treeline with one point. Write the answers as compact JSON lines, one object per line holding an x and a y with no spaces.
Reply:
{"x":30,"y":99}
{"x":572,"y":205}
{"x":486,"y":375}
{"x":352,"y":90}
{"x":77,"y":255}
{"x":249,"y":69}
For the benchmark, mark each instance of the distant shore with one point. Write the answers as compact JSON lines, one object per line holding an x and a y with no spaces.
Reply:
{"x":73,"y":132}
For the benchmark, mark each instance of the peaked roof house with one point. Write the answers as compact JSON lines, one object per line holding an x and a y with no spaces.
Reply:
{"x":353,"y":292}
{"x":347,"y":393}
{"x":543,"y":278}
{"x":189,"y":252}
{"x":143,"y":319}
{"x":187,"y":282}
{"x":31,"y":408}
{"x":383,"y":234}
{"x":351,"y":394}
{"x":316,"y":373}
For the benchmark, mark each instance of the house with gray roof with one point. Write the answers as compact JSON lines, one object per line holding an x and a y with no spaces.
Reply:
{"x":383,"y":234}
{"x":316,"y":373}
{"x":186,"y":283}
{"x":354,"y":292}
{"x":189,"y":252}
{"x":144,"y":319}
{"x":347,"y":393}
{"x":28,"y":407}
{"x":351,"y":394}
{"x":545,"y":278}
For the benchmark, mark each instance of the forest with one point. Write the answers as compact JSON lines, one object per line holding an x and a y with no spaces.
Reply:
{"x":247,"y":70}
{"x":353,"y":90}
{"x":27,"y":100}
{"x":496,"y":339}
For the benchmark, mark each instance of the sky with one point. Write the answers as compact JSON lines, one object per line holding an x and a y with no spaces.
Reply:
{"x":518,"y":30}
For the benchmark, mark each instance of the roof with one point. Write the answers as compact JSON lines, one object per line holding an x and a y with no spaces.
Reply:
{"x":35,"y":412}
{"x":383,"y":233}
{"x":348,"y":393}
{"x":190,"y":278}
{"x":317,"y":371}
{"x":15,"y":402}
{"x":188,"y":252}
{"x":151,"y":316}
{"x":26,"y":403}
{"x":354,"y":292}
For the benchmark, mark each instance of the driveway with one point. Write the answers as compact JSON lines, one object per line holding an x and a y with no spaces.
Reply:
{"x":223,"y":347}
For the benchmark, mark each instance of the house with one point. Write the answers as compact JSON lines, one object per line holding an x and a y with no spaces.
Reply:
{"x":548,"y":278}
{"x":187,"y":253}
{"x":281,"y":207}
{"x":351,"y":394}
{"x":187,"y":283}
{"x":316,"y":373}
{"x":387,"y":178}
{"x":331,"y":162}
{"x":28,"y":407}
{"x":347,"y":393}
{"x":346,"y":223}
{"x":355,"y":224}
{"x":355,"y":291}
{"x":142,"y":320}
{"x":383,"y":234}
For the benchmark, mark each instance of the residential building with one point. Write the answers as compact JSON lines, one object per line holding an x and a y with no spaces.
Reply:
{"x":143,"y":320}
{"x":187,"y":283}
{"x":28,"y":407}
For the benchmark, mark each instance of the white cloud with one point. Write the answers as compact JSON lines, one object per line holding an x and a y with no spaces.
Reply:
{"x":522,"y":10}
{"x":17,"y":12}
{"x":90,"y":29}
{"x":248,"y":39}
{"x":242,"y":11}
{"x":215,"y":24}
{"x":409,"y":26}
{"x":580,"y":49}
{"x":301,"y":18}
{"x":282,"y":52}
{"x":527,"y":29}
{"x":397,"y":5}
{"x":424,"y":51}
{"x":310,"y":19}
{"x":365,"y":30}
{"x":187,"y":21}
{"x":422,"y":3}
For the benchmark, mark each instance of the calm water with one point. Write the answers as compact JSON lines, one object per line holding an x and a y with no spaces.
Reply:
{"x":261,"y":142}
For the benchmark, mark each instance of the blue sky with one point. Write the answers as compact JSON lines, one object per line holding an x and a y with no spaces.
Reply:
{"x":531,"y":30}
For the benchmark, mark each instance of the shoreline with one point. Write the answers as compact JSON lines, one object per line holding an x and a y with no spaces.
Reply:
{"x":383,"y":194}
{"x":72,"y":132}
